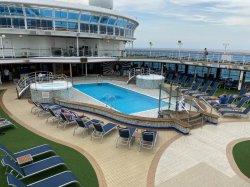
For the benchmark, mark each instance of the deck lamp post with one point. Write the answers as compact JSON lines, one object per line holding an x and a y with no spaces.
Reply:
{"x":226,"y":44}
{"x":1,"y":39}
{"x":179,"y":45}
{"x":150,"y":45}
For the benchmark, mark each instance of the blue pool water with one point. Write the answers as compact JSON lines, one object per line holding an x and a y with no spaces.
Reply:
{"x":123,"y":100}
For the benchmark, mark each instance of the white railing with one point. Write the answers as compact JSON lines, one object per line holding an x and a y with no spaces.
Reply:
{"x":39,"y":76}
{"x":137,"y":71}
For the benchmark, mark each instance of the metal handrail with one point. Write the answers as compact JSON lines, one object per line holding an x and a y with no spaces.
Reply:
{"x":34,"y":77}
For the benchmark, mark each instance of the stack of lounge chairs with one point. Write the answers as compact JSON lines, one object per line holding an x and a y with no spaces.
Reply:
{"x":4,"y":123}
{"x":16,"y":171}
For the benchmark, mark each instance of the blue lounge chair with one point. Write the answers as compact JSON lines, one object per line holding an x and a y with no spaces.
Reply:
{"x":5,"y":123}
{"x":34,"y":151}
{"x":64,"y":121}
{"x":59,"y":180}
{"x":210,"y":93}
{"x":189,"y":83}
{"x":242,"y":93}
{"x":237,"y":107}
{"x":236,"y":113}
{"x":45,"y":108}
{"x":101,"y":130}
{"x":126,"y":136}
{"x":183,"y":80}
{"x":33,"y":168}
{"x":55,"y":115}
{"x":230,"y":101}
{"x":148,"y":139}
{"x":203,"y":89}
{"x":83,"y":123}
{"x":194,"y":87}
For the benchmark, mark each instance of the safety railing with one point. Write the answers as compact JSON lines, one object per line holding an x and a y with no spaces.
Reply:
{"x":35,"y":77}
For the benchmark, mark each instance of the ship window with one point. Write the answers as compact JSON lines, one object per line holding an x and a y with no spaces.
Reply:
{"x":5,"y":22}
{"x":117,"y":31}
{"x":61,"y":25}
{"x":111,"y":21}
{"x":61,"y":14}
{"x":121,"y":32}
{"x":46,"y":13}
{"x":31,"y":12}
{"x":73,"y":15}
{"x":84,"y":27}
{"x":85,"y":17}
{"x":17,"y":11}
{"x":103,"y":29}
{"x":73,"y":26}
{"x":94,"y":19}
{"x":18,"y":22}
{"x":110,"y":30}
{"x":46,"y":24}
{"x":121,"y":23}
{"x":104,"y":20}
{"x":4,"y":10}
{"x":93,"y":28}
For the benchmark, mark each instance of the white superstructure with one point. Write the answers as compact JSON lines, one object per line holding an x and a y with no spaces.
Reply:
{"x":31,"y":28}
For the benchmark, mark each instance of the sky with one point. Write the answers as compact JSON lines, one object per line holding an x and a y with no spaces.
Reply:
{"x":198,"y":24}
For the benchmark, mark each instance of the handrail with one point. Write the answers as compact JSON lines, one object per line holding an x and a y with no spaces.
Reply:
{"x":34,"y":77}
{"x":197,"y":104}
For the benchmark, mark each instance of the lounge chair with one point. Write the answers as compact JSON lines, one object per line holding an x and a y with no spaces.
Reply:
{"x":33,"y":168}
{"x":45,"y":108}
{"x":194,"y":87}
{"x":203,"y":89}
{"x":148,"y":139}
{"x":189,"y":83}
{"x":5,"y":123}
{"x":83,"y":123}
{"x":36,"y":108}
{"x":210,"y":93}
{"x":243,"y":92}
{"x":34,"y":151}
{"x":64,"y":121}
{"x":55,"y":115}
{"x":126,"y":136}
{"x":101,"y":130}
{"x":59,"y":180}
{"x":236,"y":113}
{"x":229,"y":101}
{"x":237,"y":107}
{"x":183,"y":80}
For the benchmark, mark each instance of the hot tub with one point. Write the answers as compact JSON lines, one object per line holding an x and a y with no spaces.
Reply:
{"x":44,"y":92}
{"x":151,"y":81}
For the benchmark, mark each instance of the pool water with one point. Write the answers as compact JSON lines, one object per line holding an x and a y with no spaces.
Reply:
{"x":121,"y":99}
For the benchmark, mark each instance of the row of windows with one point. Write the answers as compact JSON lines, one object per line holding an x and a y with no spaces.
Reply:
{"x":63,"y":26}
{"x":65,"y":14}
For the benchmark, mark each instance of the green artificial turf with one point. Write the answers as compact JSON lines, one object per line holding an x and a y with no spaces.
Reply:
{"x":241,"y":153}
{"x":17,"y":139}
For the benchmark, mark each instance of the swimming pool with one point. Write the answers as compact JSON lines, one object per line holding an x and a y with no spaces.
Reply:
{"x":121,"y":99}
